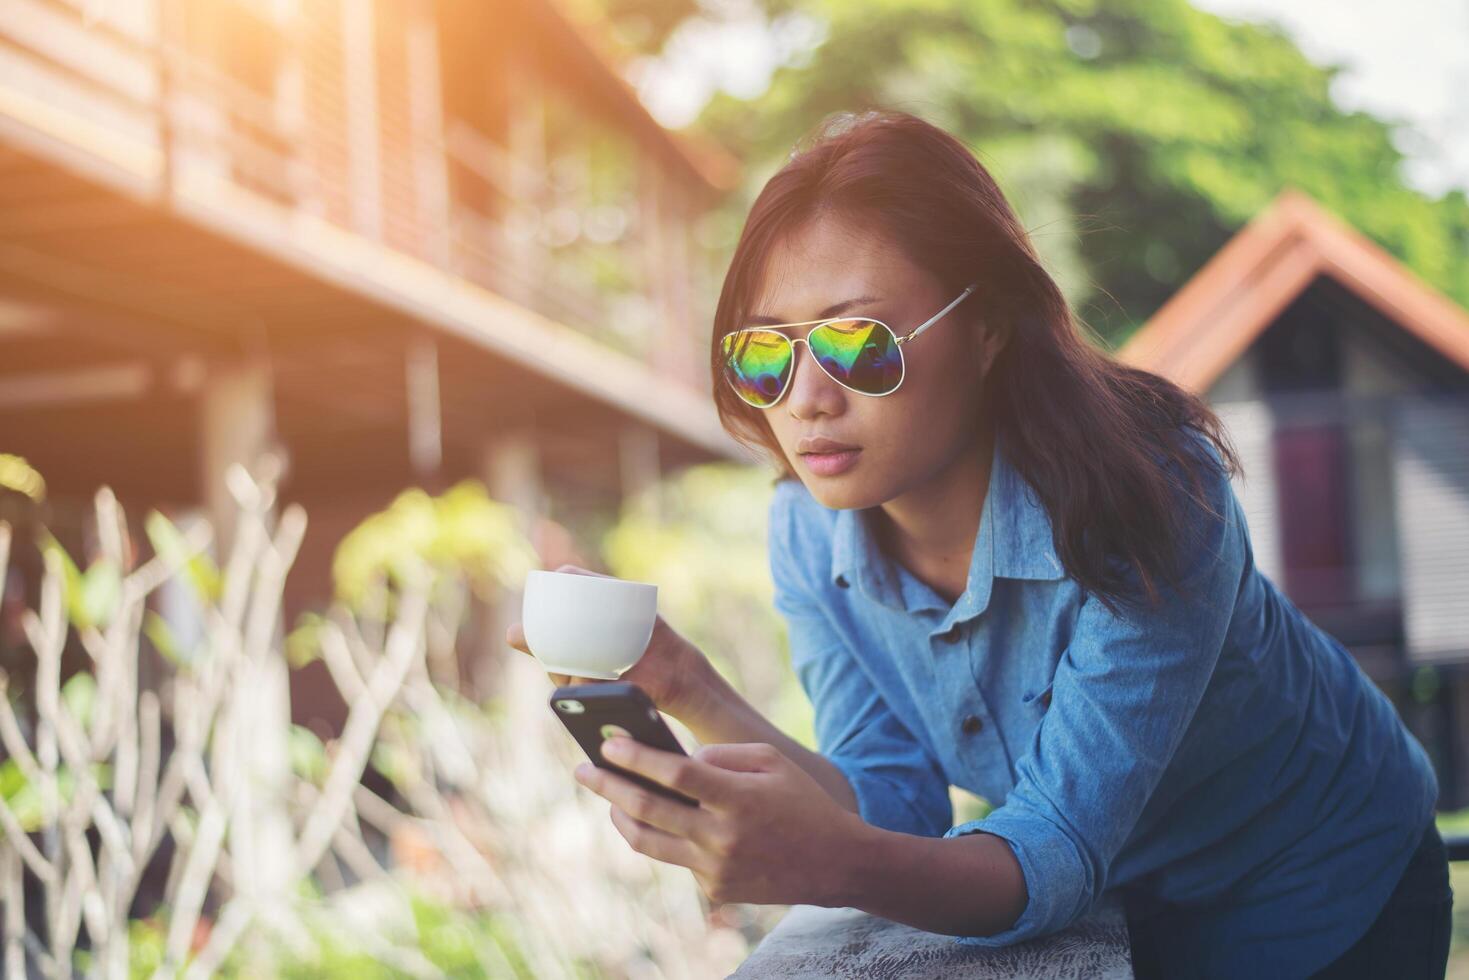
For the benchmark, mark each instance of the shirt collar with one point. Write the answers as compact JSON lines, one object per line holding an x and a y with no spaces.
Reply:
{"x":1014,"y":541}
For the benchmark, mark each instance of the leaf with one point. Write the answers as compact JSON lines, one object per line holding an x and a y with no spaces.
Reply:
{"x":200,"y":571}
{"x":101,"y":591}
{"x":24,"y":797}
{"x":307,"y":754}
{"x":160,"y":634}
{"x":302,"y":645}
{"x":12,"y":779}
{"x":18,"y":475}
{"x":463,"y":531}
{"x":71,"y":579}
{"x":394,"y":762}
{"x":79,"y":694}
{"x":21,"y":796}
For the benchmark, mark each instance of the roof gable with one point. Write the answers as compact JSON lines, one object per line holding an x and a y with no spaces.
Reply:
{"x":1247,"y":284}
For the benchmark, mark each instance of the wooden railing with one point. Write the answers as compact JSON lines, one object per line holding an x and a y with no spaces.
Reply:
{"x":488,"y":248}
{"x":202,"y":120}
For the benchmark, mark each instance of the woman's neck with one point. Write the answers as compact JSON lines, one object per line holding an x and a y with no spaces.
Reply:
{"x":931,"y":529}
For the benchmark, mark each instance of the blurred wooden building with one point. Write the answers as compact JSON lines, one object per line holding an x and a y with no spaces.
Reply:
{"x":1344,"y":381}
{"x":405,"y":241}
{"x":398,"y":242}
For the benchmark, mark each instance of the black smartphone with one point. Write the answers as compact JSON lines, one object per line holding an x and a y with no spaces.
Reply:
{"x":594,"y":712}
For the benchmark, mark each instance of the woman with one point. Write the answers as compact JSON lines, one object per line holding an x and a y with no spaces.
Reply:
{"x":1012,"y":564}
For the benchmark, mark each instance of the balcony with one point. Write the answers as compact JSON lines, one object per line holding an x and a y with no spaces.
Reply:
{"x":527,"y":236}
{"x":295,"y":115}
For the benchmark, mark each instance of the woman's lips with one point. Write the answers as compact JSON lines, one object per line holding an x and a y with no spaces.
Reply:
{"x":830,"y":464}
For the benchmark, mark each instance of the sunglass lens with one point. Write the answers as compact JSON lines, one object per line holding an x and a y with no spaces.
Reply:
{"x":757,"y":364}
{"x":862,"y":354}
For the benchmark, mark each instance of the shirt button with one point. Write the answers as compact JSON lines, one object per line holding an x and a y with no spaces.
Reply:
{"x":972,"y":724}
{"x":842,"y":581}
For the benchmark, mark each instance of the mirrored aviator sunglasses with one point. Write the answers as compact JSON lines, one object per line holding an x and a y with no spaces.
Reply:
{"x":856,"y":352}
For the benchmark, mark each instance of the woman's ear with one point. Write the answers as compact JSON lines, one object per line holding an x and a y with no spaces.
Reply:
{"x":991,"y":337}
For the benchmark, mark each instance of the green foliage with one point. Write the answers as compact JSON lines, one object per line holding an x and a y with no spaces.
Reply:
{"x":101,"y":590}
{"x":640,"y":26}
{"x":460,"y":942}
{"x":1453,"y":821}
{"x":147,"y":940}
{"x":308,"y":755}
{"x":20,"y":476}
{"x":454,"y":941}
{"x":463,"y":530}
{"x":706,"y":548}
{"x":92,"y":597}
{"x":200,"y":571}
{"x":391,"y":756}
{"x":22,"y":798}
{"x":160,"y":634}
{"x":26,"y":800}
{"x":968,"y":806}
{"x":711,"y":529}
{"x":79,"y":694}
{"x":147,"y":943}
{"x":302,"y":645}
{"x":334,"y":959}
{"x":1151,"y":127}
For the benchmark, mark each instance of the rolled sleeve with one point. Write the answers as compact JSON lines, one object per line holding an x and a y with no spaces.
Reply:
{"x":898,"y":784}
{"x":1125,"y":691}
{"x":1050,"y":862}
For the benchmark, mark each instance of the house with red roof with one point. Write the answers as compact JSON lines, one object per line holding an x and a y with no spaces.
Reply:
{"x":1344,"y":381}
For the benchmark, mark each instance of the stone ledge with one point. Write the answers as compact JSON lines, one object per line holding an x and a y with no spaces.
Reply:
{"x":812,"y":941}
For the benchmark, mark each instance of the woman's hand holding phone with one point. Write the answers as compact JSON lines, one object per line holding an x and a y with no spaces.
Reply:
{"x":673,"y":672}
{"x":765,"y":831}
{"x":680,"y":681}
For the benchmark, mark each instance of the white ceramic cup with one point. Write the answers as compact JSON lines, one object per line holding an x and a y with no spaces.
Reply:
{"x":587,"y":625}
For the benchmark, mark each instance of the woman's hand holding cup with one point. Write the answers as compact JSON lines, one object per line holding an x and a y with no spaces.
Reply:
{"x":671,"y":670}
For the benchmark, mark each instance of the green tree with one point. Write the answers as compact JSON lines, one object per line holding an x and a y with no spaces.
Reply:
{"x":1133,"y":136}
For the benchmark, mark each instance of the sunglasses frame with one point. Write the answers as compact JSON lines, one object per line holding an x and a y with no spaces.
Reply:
{"x":899,"y":340}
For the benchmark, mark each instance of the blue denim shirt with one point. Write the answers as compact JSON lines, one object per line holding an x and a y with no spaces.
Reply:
{"x":1218,"y":752}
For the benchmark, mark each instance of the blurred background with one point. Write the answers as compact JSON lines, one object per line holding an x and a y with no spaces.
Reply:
{"x":365,"y":307}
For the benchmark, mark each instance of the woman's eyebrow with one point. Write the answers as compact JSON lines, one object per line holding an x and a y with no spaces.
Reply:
{"x":832,"y":310}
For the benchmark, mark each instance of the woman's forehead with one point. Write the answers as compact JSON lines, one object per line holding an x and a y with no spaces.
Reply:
{"x":850,"y":306}
{"x":823,"y":262}
{"x":802,"y":295}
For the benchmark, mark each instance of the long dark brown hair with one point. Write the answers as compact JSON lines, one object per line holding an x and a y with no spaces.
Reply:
{"x":1102,"y":443}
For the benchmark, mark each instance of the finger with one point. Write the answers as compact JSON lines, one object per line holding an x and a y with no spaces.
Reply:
{"x":566,"y":680}
{"x":657,"y":844}
{"x":515,"y":637}
{"x":740,"y":756}
{"x":690,"y":776}
{"x":643,"y":804}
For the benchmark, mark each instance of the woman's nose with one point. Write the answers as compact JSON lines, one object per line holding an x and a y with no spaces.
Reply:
{"x":811,"y":387}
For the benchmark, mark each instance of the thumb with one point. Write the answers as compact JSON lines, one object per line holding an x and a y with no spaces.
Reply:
{"x":739,"y":756}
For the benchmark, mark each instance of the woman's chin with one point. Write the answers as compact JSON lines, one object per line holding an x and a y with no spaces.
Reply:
{"x":840,"y":494}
